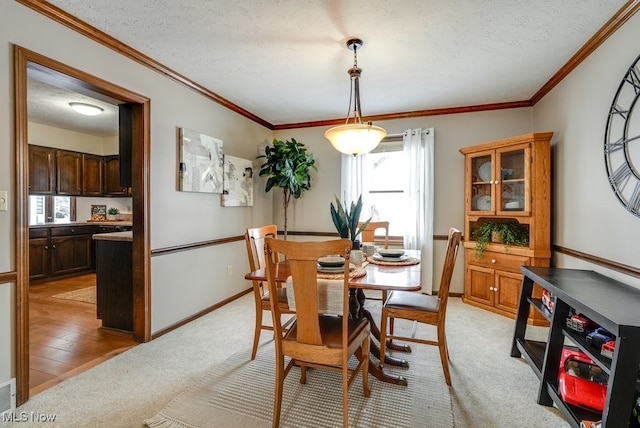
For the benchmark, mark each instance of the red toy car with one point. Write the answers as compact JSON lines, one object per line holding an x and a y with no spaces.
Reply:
{"x":547,"y":300}
{"x":580,"y":323}
{"x":608,"y":348}
{"x":582,"y":382}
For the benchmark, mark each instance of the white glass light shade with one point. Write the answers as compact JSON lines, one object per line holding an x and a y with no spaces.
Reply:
{"x":86,"y":109}
{"x":355,"y":138}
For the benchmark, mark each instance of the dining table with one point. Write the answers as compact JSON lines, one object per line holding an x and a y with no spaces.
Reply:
{"x":379,"y":276}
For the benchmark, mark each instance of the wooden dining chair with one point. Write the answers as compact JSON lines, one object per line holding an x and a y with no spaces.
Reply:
{"x":254,"y":238}
{"x":424,"y":308}
{"x":369,"y":233}
{"x":316,"y":339}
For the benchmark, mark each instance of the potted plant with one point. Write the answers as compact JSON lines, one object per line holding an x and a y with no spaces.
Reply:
{"x":112,"y":213}
{"x":346,"y":220}
{"x":287,"y":166}
{"x":507,"y":233}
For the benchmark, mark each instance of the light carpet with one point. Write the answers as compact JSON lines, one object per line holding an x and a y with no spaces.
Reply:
{"x":87,"y":295}
{"x":245,"y":388}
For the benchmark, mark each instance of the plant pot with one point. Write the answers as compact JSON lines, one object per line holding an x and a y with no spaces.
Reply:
{"x":496,"y":237}
{"x":111,"y":216}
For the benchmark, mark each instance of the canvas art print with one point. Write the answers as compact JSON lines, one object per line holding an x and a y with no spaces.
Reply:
{"x":201,"y":162}
{"x":238,"y":182}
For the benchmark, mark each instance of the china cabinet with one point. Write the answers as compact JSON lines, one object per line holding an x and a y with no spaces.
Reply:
{"x":506,"y":181}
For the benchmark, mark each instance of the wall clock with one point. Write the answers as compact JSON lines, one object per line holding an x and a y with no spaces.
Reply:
{"x":622,"y":141}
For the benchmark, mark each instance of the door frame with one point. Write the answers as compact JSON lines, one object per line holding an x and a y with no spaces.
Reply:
{"x":140,"y":204}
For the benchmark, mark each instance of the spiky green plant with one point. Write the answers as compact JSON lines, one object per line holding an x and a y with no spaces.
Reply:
{"x":346,"y":220}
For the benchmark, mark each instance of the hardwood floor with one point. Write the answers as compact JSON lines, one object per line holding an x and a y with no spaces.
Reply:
{"x":65,"y":337}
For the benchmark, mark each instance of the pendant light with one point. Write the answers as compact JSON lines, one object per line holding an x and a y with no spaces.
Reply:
{"x":356,"y":137}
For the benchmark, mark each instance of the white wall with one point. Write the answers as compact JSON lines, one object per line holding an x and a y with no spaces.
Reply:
{"x":587,"y":217}
{"x":311,"y":211}
{"x":176,"y":218}
{"x":51,"y":136}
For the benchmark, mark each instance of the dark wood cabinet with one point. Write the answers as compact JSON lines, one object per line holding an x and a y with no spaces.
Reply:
{"x":71,"y":249}
{"x":39,"y":254}
{"x":112,"y":177}
{"x":612,"y":305}
{"x":114,"y":283}
{"x":69,"y":173}
{"x":92,"y":175}
{"x":42,"y":170}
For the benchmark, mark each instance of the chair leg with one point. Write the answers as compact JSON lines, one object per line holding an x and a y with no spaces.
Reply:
{"x":345,"y":395}
{"x":256,"y":333}
{"x":383,"y":336}
{"x":277,"y":398}
{"x":365,"y":366}
{"x":444,"y":353}
{"x":303,"y":374}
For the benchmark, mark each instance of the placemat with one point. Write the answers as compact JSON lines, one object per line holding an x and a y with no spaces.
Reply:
{"x":410,"y":261}
{"x":356,"y":273}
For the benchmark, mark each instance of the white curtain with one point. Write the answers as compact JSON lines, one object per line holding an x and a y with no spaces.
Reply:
{"x":418,"y":147}
{"x":352,"y":183}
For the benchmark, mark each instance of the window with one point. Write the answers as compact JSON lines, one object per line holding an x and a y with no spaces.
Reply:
{"x":383,"y":193}
{"x":51,"y":209}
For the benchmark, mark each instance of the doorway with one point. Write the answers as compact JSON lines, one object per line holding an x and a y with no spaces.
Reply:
{"x":140,"y":117}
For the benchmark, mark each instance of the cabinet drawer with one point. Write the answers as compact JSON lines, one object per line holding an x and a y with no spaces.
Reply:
{"x":500,"y":261}
{"x":71,"y":230}
{"x":38,"y":233}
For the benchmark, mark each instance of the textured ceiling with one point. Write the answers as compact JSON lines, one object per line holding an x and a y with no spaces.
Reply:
{"x":286,"y":62}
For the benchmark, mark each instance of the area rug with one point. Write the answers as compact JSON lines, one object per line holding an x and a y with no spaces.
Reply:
{"x":239,"y":393}
{"x":87,"y":295}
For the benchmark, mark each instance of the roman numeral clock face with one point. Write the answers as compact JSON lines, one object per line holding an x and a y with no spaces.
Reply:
{"x":622,"y":141}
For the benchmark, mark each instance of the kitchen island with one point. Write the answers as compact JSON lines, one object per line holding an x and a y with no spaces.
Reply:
{"x":114,"y":279}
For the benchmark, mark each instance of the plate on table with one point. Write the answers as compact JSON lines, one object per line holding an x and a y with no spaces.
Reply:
{"x":331,"y":262}
{"x":382,"y":258}
{"x":484,"y":172}
{"x":386,"y":252}
{"x":338,"y":269}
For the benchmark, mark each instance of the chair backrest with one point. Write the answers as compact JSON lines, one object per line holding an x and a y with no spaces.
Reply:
{"x":254,"y":238}
{"x":303,"y":261}
{"x":447,"y":271}
{"x":368,"y":234}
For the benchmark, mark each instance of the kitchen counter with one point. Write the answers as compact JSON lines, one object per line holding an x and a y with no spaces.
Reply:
{"x":126,"y":236}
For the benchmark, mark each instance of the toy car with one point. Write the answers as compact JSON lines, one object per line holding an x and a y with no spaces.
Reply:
{"x":581,"y":382}
{"x":599,"y":337}
{"x":580,"y":323}
{"x":547,"y":300}
{"x":608,"y":348}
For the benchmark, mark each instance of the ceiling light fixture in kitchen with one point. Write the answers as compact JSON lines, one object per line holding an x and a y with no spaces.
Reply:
{"x":86,"y":109}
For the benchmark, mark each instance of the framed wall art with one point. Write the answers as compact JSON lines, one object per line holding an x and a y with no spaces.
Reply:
{"x":237,"y":182}
{"x":201,"y":162}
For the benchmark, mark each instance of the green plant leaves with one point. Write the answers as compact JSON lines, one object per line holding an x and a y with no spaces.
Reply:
{"x":346,"y":221}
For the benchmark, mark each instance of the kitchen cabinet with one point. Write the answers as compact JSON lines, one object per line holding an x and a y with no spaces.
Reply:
{"x":39,"y":259}
{"x":71,"y":250}
{"x":65,"y":172}
{"x":68,"y":173}
{"x":607,"y":302}
{"x":92,"y":175}
{"x":64,"y":250}
{"x":506,"y":181}
{"x":112,"y":177}
{"x":42,"y":170}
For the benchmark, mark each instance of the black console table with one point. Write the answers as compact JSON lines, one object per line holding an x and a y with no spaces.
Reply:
{"x":610,"y":303}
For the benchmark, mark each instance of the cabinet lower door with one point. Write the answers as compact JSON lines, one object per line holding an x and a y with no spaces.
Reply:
{"x":71,"y":254}
{"x":507,"y":290}
{"x":480,"y":285}
{"x":39,"y":258}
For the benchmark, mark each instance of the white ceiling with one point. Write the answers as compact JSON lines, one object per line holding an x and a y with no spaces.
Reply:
{"x":286,"y":61}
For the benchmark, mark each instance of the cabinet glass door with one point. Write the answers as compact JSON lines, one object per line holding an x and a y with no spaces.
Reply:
{"x":512,"y":191}
{"x":481,"y":183}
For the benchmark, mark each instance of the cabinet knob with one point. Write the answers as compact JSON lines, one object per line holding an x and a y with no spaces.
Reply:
{"x":490,"y":288}
{"x":53,"y":246}
{"x":493,"y":261}
{"x":46,"y":247}
{"x":495,"y":289}
{"x":496,"y":182}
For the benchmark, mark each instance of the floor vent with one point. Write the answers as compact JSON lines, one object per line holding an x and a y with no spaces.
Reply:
{"x":8,"y":396}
